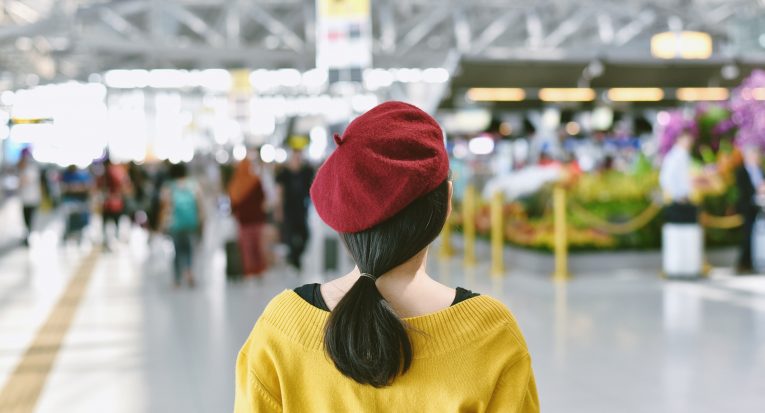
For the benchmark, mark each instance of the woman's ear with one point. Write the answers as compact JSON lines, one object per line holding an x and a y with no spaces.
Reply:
{"x":449,"y":208}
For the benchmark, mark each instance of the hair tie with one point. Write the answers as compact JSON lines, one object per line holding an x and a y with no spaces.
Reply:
{"x":370,"y":276}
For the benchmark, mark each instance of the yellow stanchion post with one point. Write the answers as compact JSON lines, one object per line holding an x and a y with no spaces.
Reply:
{"x":446,"y":250}
{"x":497,"y":236}
{"x":561,"y":238}
{"x":468,"y":224}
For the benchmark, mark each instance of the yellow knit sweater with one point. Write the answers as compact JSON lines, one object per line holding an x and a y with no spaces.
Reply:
{"x":470,"y":357}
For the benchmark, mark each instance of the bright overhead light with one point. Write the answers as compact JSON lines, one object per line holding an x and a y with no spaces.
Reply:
{"x":663,"y":118}
{"x":318,"y":143}
{"x":289,"y":78}
{"x":486,"y":94}
{"x":435,"y":75}
{"x":267,"y":153}
{"x":280,"y":155}
{"x":572,"y":128}
{"x":694,"y":94}
{"x":168,"y":78}
{"x":481,"y":145}
{"x":683,"y":45}
{"x":315,"y":78}
{"x":505,"y":129}
{"x":407,"y":75}
{"x":240,"y":152}
{"x":127,"y":79}
{"x":635,"y":94}
{"x":378,"y":78}
{"x":574,"y":94}
{"x":214,"y":79}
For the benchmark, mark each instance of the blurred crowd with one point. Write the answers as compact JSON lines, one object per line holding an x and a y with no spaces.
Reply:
{"x":268,"y":201}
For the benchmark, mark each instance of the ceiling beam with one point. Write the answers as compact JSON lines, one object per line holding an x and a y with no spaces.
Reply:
{"x":275,"y":26}
{"x":422,"y":29}
{"x":634,"y":28}
{"x":493,"y":31}
{"x":194,"y":23}
{"x":120,"y":24}
{"x":566,"y":28}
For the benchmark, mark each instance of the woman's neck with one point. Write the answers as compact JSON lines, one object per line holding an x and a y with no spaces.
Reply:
{"x":407,"y":287}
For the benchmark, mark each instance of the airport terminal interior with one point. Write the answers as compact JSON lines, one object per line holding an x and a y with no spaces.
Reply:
{"x":606,"y":161}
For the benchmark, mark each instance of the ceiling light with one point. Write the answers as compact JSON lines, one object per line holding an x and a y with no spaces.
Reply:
{"x":480,"y":94}
{"x":635,"y":94}
{"x":683,"y":45}
{"x":694,"y":94}
{"x":481,"y":145}
{"x":572,"y":128}
{"x":574,"y":94}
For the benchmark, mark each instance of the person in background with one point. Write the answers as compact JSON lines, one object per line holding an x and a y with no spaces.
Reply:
{"x":248,"y":205}
{"x":293,"y":185}
{"x":158,"y":177}
{"x":115,"y":185}
{"x":676,"y":181}
{"x":750,"y":183}
{"x":183,"y":219}
{"x":138,"y":204}
{"x":30,"y":191}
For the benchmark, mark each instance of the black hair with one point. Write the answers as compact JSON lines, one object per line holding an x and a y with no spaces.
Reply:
{"x":178,"y":170}
{"x":364,"y":337}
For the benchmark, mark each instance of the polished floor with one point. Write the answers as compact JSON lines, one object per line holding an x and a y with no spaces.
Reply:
{"x":626,"y":342}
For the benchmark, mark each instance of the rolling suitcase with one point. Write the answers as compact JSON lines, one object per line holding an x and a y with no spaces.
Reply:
{"x":682,"y":250}
{"x":234,"y":266}
{"x":330,"y":255}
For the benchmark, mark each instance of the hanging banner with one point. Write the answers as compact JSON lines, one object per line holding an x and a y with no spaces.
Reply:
{"x":344,"y":38}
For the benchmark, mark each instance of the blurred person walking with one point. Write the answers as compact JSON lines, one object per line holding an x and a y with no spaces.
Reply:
{"x":676,"y":181}
{"x":682,"y":238}
{"x":750,"y":184}
{"x":293,"y":186}
{"x":248,"y":206}
{"x":115,"y":185}
{"x":157,"y":178}
{"x":386,"y":336}
{"x":30,"y":190}
{"x":183,"y":220}
{"x":138,"y":202}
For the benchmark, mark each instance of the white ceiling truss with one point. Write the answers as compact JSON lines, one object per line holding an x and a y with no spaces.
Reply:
{"x":62,"y":39}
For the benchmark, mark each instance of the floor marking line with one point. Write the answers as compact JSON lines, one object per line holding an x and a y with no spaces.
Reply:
{"x":25,"y":384}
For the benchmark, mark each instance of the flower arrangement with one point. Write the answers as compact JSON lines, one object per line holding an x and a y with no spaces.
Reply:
{"x":748,"y":110}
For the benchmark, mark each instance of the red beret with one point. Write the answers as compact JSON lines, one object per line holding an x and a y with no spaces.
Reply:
{"x":387,"y":158}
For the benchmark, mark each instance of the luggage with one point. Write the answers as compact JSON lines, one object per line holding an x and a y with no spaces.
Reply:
{"x":234,"y":266}
{"x":758,"y":244}
{"x":682,"y":250}
{"x":77,"y":218}
{"x":330,"y":255}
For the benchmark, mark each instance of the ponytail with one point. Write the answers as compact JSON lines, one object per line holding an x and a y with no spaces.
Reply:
{"x":364,"y":337}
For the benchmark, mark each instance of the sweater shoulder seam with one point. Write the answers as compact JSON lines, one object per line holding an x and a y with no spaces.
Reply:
{"x":509,"y":366}
{"x":263,"y":391}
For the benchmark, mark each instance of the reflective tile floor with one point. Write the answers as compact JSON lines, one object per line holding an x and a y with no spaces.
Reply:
{"x":626,"y":342}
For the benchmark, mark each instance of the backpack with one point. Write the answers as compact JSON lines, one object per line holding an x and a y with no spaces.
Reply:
{"x":185,"y":216}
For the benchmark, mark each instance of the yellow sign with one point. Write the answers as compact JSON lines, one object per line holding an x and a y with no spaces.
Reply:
{"x":240,"y":81}
{"x":344,"y":8}
{"x":29,"y":121}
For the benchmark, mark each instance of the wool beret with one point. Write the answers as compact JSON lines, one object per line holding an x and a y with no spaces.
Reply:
{"x":385,"y":159}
